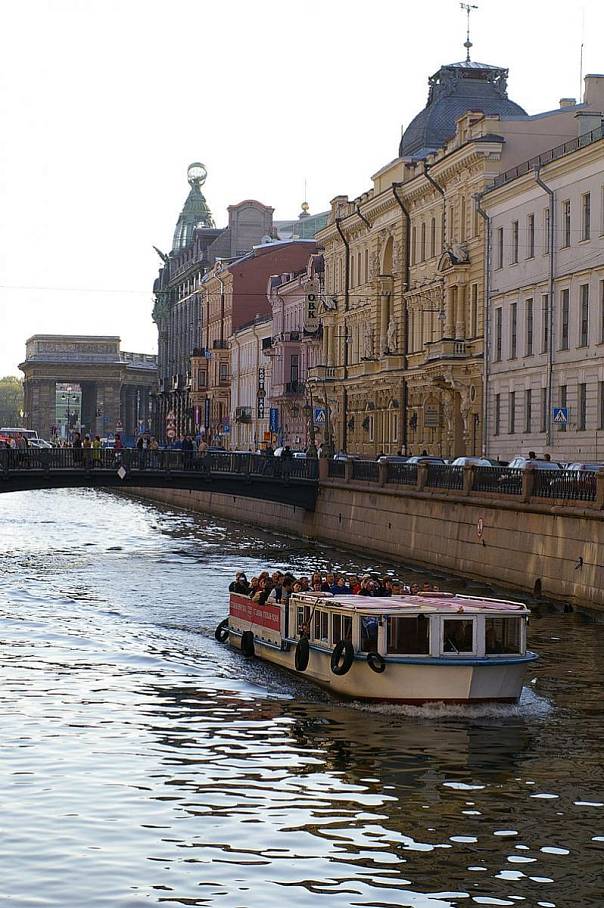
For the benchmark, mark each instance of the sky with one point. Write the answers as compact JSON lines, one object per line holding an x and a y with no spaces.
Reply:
{"x":104,"y":103}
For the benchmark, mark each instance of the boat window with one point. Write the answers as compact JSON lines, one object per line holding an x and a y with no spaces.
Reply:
{"x":369,"y":633}
{"x":303,"y":619}
{"x":458,"y":635}
{"x":321,"y":628}
{"x":341,"y":628}
{"x":409,"y":635}
{"x":503,"y":635}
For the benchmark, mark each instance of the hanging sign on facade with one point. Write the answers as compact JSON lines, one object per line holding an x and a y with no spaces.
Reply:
{"x":311,"y":312}
{"x":274,"y":419}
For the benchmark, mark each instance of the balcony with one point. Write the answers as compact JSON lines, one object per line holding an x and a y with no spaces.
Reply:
{"x":220,"y":345}
{"x":288,"y":337}
{"x":446,"y":349}
{"x":294,"y":387}
{"x":326,"y":373}
{"x":201,"y":353}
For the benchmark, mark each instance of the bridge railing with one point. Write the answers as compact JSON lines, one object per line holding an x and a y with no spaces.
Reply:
{"x":133,"y":459}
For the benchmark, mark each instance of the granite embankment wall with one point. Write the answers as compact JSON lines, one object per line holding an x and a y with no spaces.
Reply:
{"x":525,"y":546}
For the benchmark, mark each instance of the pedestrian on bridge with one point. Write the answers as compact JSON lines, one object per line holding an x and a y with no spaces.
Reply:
{"x":77,"y":448}
{"x":96,"y":451}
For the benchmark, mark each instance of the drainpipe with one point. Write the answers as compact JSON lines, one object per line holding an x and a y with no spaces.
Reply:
{"x":550,"y":314}
{"x":346,"y":306}
{"x":440,"y":189}
{"x":486,"y":324}
{"x":362,"y":217}
{"x":406,"y":285}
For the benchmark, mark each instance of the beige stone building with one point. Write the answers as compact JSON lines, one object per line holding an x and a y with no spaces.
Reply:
{"x":403,"y":298}
{"x":546,"y":298}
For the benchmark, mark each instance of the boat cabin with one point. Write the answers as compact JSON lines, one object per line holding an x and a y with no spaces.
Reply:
{"x":425,"y":626}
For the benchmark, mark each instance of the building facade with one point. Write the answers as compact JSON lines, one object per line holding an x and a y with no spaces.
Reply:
{"x":86,"y":384}
{"x":234,"y":294}
{"x":403,"y":302}
{"x":294,"y":351}
{"x":196,"y":247}
{"x":250,"y":385}
{"x":545,"y":369}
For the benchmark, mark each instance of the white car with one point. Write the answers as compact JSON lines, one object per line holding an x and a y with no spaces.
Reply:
{"x":474,"y":461}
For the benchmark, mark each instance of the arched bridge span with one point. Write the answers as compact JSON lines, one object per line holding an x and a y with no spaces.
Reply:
{"x":293,"y":482}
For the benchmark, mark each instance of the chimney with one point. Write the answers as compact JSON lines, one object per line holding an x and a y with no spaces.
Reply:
{"x":587,"y":121}
{"x":567,"y":102}
{"x":593,"y":95}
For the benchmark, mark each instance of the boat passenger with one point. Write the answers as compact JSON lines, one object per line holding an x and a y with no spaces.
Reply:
{"x":329,"y":581}
{"x":240,"y":584}
{"x":340,"y":587}
{"x":367,"y":586}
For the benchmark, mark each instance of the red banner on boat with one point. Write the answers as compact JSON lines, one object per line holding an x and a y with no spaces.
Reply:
{"x":264,"y":615}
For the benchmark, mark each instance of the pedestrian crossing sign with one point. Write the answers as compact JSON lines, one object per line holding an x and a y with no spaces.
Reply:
{"x":561,"y":414}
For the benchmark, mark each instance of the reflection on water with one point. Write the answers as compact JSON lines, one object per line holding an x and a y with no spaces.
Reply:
{"x":142,"y":763}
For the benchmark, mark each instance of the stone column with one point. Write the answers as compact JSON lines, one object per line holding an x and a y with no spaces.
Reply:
{"x":43,"y":407}
{"x":450,"y":312}
{"x":460,"y":313}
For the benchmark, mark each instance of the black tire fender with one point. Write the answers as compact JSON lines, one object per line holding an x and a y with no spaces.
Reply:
{"x":342,"y":657}
{"x":376,"y":662}
{"x":247,"y":643}
{"x":302,"y":654}
{"x":222,"y":631}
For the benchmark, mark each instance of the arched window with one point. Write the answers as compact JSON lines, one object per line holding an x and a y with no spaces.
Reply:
{"x":423,"y":242}
{"x":387,"y":260}
{"x":433,"y":238}
{"x":366,"y":265}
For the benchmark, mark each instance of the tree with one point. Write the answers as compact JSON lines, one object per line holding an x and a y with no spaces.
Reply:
{"x":11,"y":400}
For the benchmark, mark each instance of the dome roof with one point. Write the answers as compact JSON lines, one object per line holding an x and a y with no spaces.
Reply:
{"x":195,"y":211}
{"x":455,"y":89}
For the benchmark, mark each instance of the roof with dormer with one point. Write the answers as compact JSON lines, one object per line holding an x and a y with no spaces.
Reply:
{"x":454,"y":90}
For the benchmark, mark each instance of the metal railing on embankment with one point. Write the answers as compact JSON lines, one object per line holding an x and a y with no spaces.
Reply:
{"x":561,"y":487}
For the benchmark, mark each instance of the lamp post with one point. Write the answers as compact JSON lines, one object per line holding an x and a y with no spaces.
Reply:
{"x":66,"y":398}
{"x":308,"y":411}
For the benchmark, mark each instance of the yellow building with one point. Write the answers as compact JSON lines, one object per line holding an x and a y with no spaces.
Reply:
{"x":403,"y":294}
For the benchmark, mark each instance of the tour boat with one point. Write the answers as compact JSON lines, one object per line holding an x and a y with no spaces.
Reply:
{"x":425,"y":648}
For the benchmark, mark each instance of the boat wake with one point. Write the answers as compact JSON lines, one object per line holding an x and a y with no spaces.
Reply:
{"x":530,"y":705}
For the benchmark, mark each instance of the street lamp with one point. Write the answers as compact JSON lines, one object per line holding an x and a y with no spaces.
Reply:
{"x":308,"y":411}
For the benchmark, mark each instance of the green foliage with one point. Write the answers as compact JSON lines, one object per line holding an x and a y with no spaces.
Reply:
{"x":11,"y":400}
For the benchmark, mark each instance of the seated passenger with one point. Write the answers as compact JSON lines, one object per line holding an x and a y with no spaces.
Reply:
{"x":240,"y":584}
{"x":329,"y":581}
{"x":340,"y":588}
{"x":367,"y":586}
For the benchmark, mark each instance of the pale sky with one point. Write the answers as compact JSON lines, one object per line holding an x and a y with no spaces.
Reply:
{"x":104,"y":103}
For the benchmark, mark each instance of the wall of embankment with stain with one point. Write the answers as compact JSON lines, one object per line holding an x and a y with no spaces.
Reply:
{"x":557,"y":551}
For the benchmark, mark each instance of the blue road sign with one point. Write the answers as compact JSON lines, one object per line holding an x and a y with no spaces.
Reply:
{"x":560,"y":414}
{"x":319,"y":415}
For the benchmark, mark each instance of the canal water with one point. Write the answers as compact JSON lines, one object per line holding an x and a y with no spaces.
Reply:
{"x":142,"y":763}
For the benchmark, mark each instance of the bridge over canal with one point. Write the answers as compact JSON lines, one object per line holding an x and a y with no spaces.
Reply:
{"x":290,"y":482}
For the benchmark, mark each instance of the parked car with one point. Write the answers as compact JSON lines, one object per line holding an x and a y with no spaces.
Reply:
{"x":521,"y":463}
{"x":39,"y":443}
{"x":423,"y":458}
{"x":393,"y":458}
{"x":586,"y":467}
{"x":475,"y":461}
{"x":342,"y":456}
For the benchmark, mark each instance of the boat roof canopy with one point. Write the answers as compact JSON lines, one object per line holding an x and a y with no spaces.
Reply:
{"x":445,"y":603}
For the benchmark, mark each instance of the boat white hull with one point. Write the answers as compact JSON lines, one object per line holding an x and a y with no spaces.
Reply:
{"x":422,"y":681}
